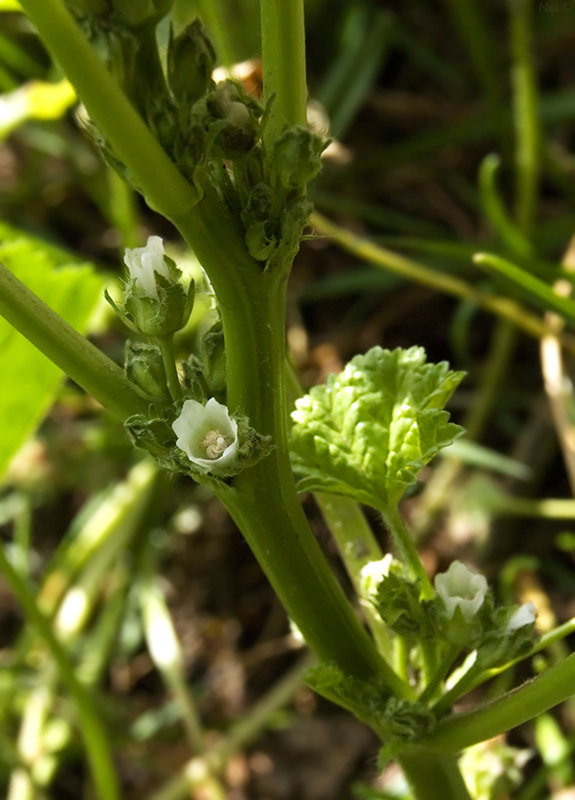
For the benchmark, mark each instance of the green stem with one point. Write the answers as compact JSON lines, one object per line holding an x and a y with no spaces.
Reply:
{"x":476,"y":676}
{"x":463,"y":685}
{"x":525,"y":107}
{"x":440,"y":673}
{"x":96,"y":739}
{"x":514,"y":708}
{"x":432,"y":777}
{"x":407,"y":549}
{"x":283,"y":57}
{"x":211,"y":14}
{"x":166,"y":345}
{"x":263,"y":499}
{"x":71,"y":351}
{"x":358,"y":547}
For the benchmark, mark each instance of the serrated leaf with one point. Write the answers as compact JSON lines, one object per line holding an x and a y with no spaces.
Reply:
{"x":29,"y":380}
{"x":369,"y":431}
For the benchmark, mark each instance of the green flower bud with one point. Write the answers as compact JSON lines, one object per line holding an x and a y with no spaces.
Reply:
{"x":214,"y":359}
{"x":144,"y":366}
{"x":191,"y":61}
{"x":297,"y":157}
{"x":228,"y":104}
{"x":155,"y":300}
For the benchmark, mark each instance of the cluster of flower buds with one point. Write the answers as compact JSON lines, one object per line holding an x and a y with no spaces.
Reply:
{"x":462,"y":614}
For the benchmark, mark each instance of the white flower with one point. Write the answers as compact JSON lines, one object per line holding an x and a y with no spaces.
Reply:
{"x":373,"y":573}
{"x":207,"y":434}
{"x":459,"y":587}
{"x":144,"y":262}
{"x":525,"y":615}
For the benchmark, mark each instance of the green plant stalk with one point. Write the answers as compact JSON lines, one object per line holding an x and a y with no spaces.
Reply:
{"x":358,"y":547}
{"x":96,"y":739}
{"x":432,"y":777}
{"x":166,"y":345}
{"x":440,"y":673}
{"x":475,"y":677}
{"x":71,"y":351}
{"x":525,"y":112}
{"x":514,"y":708}
{"x":283,"y":57}
{"x":407,"y":549}
{"x":211,"y":14}
{"x":263,"y":499}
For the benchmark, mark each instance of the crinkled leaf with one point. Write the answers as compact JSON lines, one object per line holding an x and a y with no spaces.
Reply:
{"x":369,"y":430}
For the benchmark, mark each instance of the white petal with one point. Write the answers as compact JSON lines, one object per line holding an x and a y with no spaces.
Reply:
{"x":525,"y":615}
{"x":193,"y":425}
{"x":460,"y":587}
{"x":144,"y":262}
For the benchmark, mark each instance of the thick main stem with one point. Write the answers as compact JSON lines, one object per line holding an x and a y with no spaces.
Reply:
{"x":431,"y":776}
{"x":263,"y":499}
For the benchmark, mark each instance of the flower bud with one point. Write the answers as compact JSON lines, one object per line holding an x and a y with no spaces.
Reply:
{"x":525,"y":615}
{"x":191,"y":61}
{"x":297,"y":157}
{"x":154,"y":298}
{"x":227,"y":104}
{"x":144,"y":366}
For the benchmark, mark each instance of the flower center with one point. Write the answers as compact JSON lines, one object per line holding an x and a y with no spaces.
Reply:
{"x":215,"y":443}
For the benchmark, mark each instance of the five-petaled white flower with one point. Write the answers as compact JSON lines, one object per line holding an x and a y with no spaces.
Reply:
{"x":207,"y":434}
{"x":143,"y":263}
{"x":461,"y":588}
{"x":525,"y":615}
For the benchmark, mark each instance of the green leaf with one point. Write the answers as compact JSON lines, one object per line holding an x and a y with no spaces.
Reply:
{"x":540,"y":292}
{"x":29,"y":379}
{"x":369,"y":431}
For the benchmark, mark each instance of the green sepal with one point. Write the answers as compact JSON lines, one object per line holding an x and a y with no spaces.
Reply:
{"x":214,"y":359}
{"x":407,"y":721}
{"x":144,"y":366}
{"x":370,"y":429}
{"x":163,"y":316}
{"x":297,"y":157}
{"x":399,"y":605}
{"x":191,"y":61}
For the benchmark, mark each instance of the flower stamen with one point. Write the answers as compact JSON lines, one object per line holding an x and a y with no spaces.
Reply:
{"x":214,"y":443}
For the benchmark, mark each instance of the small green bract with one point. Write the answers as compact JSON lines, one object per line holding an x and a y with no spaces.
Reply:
{"x":369,"y":431}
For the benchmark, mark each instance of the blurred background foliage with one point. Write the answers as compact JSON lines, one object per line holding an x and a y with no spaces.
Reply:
{"x":453,"y":126}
